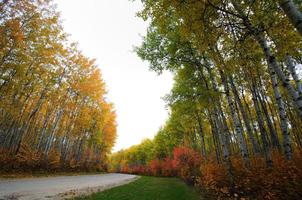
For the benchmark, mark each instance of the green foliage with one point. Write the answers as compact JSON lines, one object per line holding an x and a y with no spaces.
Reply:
{"x":234,"y":96}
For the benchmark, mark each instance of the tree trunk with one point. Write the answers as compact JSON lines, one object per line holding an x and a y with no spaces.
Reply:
{"x":282,"y":115}
{"x":246,"y":120}
{"x":292,"y":69}
{"x":53,"y":131}
{"x":272,"y":131}
{"x":237,"y":124}
{"x":215,"y":135}
{"x":263,"y":134}
{"x":43,"y":130}
{"x":293,"y":13}
{"x":270,"y":58}
{"x":201,"y":134}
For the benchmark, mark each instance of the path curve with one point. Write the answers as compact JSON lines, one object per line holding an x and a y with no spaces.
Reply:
{"x":60,"y":187}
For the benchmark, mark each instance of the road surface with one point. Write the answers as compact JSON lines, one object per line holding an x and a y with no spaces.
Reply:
{"x":61,"y":187}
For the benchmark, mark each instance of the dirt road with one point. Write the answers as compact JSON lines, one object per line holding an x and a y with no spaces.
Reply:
{"x":59,"y":187}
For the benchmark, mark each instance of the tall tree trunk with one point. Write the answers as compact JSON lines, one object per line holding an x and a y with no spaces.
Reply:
{"x":52,"y":131}
{"x":272,"y":131}
{"x":238,"y":127}
{"x":273,"y":66}
{"x":263,"y":134}
{"x":218,"y":109}
{"x":293,"y":13}
{"x":43,"y":130}
{"x":292,"y":69}
{"x":224,"y":141}
{"x":282,"y":115}
{"x":215,"y":135}
{"x":201,"y":134}
{"x":296,"y":127}
{"x":246,"y":120}
{"x":254,"y":121}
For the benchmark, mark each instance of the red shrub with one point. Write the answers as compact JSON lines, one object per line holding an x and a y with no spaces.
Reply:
{"x":183,"y":156}
{"x":140,"y":169}
{"x":187,"y":162}
{"x":125,"y":169}
{"x":155,"y":167}
{"x":167,"y":167}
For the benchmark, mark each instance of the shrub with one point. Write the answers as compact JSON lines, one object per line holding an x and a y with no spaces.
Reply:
{"x":168,"y":168}
{"x":155,"y":167}
{"x":282,"y":181}
{"x":186,"y":162}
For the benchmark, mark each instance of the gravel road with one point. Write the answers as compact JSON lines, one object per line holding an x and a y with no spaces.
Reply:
{"x":61,"y":187}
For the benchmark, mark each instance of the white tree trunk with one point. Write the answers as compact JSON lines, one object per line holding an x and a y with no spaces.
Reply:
{"x":274,"y":68}
{"x":53,"y":131}
{"x":293,"y":13}
{"x":292,"y":69}
{"x":283,"y":117}
{"x":238,"y":127}
{"x":246,"y":120}
{"x":270,"y":58}
{"x":262,"y":129}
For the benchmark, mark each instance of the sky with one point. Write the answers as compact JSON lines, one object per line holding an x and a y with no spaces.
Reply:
{"x":108,"y":30}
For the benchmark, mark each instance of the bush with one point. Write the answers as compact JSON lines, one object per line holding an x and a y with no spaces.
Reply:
{"x":155,"y":167}
{"x":167,"y":167}
{"x":187,"y":163}
{"x":29,"y":160}
{"x":283,"y":181}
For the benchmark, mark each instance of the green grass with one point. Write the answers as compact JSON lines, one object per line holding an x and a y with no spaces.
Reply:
{"x":149,"y":188}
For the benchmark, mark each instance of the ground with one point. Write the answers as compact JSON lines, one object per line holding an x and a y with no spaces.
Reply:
{"x":59,"y":187}
{"x":149,"y":188}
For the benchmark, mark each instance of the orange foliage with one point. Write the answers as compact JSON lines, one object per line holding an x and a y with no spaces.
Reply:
{"x":140,"y":169}
{"x":283,"y":181}
{"x":155,"y":167}
{"x":28,"y":160}
{"x":167,"y":167}
{"x":187,"y":162}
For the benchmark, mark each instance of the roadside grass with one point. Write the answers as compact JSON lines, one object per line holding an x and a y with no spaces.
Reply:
{"x":149,"y":188}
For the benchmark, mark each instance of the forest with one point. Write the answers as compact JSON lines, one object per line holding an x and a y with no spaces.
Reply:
{"x":235,"y":110}
{"x":54,"y":115}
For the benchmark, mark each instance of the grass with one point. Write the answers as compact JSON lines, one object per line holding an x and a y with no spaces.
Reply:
{"x":149,"y":188}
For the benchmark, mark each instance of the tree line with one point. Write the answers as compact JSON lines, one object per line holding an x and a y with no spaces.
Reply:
{"x":53,"y":108}
{"x":237,"y":96}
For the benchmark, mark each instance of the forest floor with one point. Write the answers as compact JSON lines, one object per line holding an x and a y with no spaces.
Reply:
{"x":150,"y":188}
{"x":61,"y":187}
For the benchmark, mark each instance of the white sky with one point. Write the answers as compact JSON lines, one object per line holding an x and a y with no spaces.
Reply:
{"x":107,"y":30}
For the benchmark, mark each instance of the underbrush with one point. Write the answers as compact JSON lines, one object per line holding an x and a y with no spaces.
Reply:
{"x":28,"y":161}
{"x":282,"y":181}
